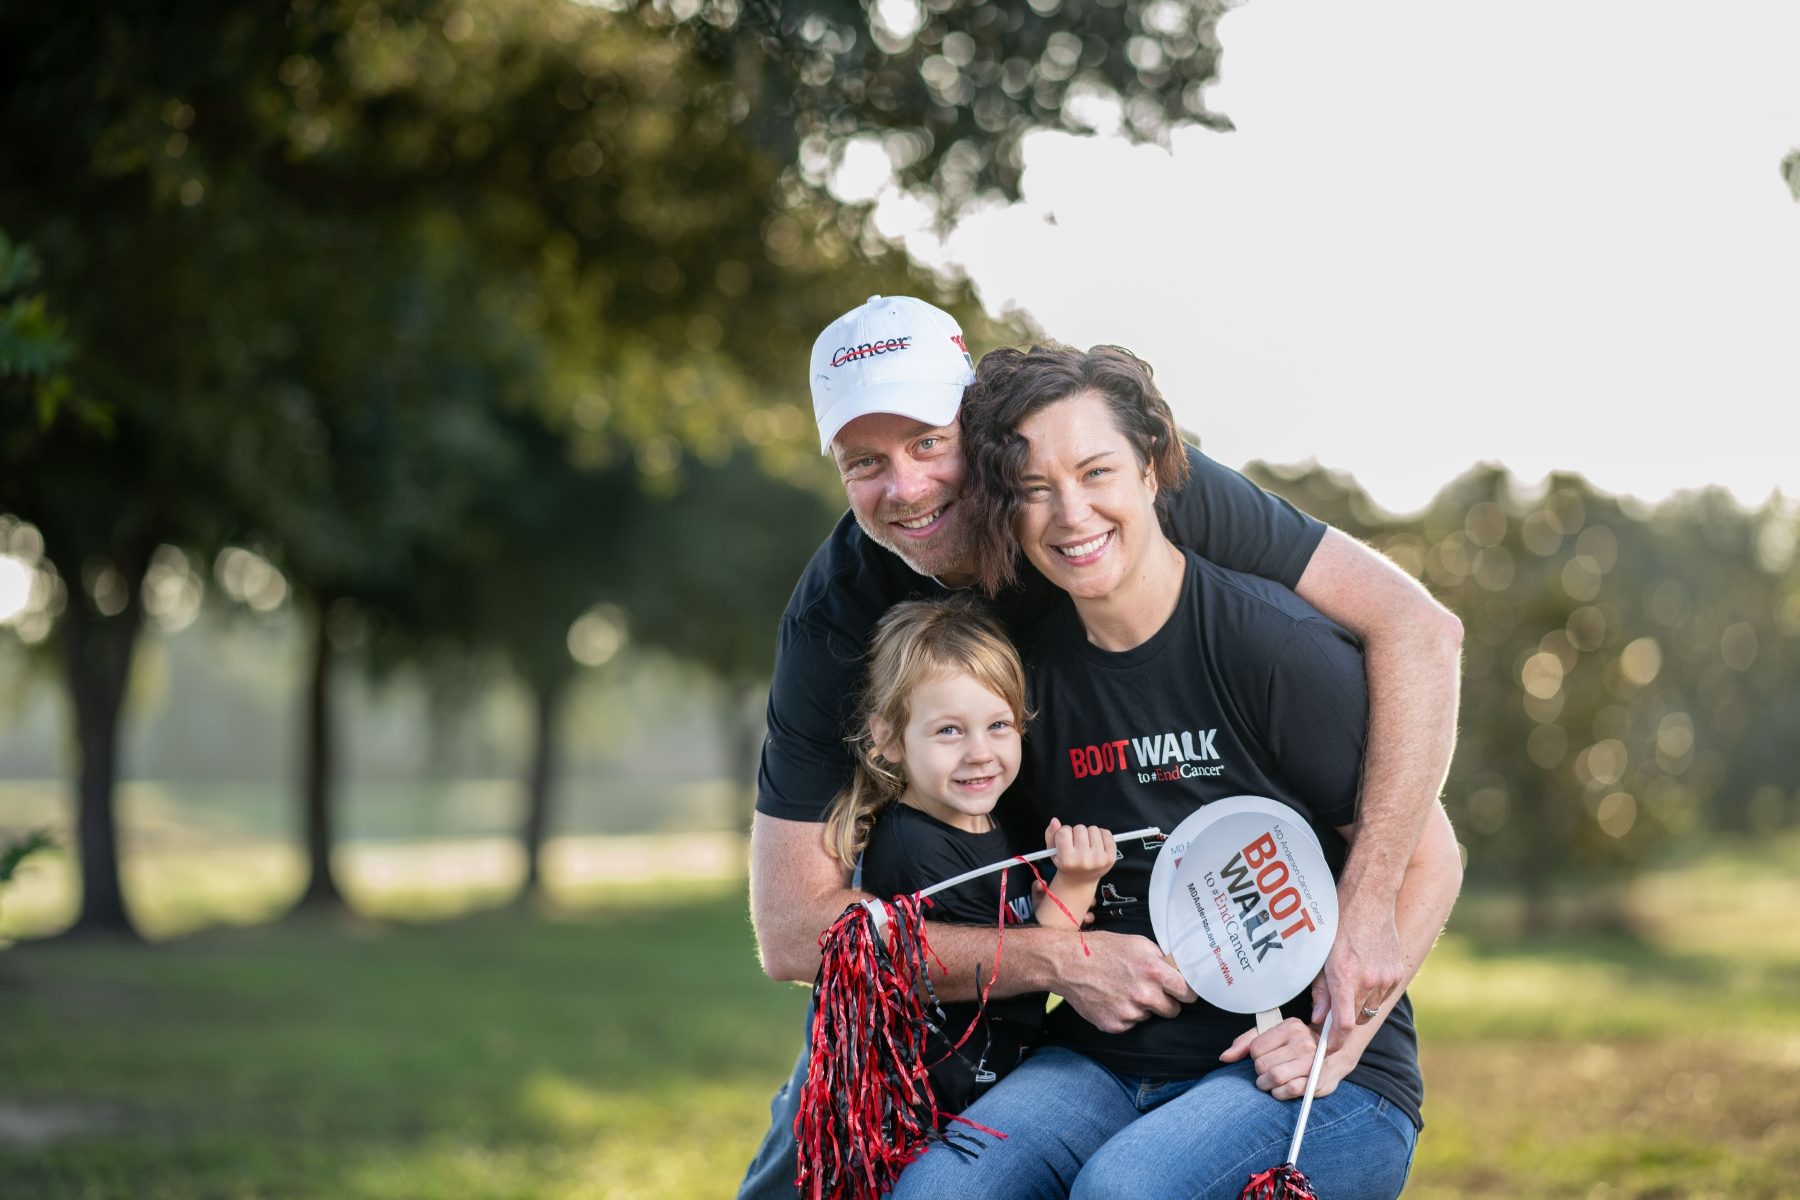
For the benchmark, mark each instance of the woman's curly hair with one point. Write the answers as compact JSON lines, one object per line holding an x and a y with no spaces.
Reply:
{"x":1010,"y":386}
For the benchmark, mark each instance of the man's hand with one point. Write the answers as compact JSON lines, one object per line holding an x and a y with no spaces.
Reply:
{"x":1382,"y":939}
{"x":1122,"y":981}
{"x":1366,"y":968}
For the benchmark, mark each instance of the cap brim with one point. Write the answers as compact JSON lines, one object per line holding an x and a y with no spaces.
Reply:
{"x":932,"y":403}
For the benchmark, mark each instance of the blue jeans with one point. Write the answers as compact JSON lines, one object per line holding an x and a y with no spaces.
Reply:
{"x":771,"y":1173}
{"x":1076,"y":1129}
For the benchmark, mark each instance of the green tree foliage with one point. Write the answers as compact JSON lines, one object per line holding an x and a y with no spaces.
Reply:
{"x":1622,"y":668}
{"x":33,"y":348}
{"x":323,"y":265}
{"x":715,"y":565}
{"x":951,"y":88}
{"x":15,"y":852}
{"x":541,"y":546}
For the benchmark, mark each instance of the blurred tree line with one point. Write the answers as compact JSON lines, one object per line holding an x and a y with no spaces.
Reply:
{"x":1625,"y":675}
{"x":471,"y":329}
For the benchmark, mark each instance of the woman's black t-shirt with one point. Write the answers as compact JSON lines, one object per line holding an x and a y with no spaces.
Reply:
{"x":1245,"y":690}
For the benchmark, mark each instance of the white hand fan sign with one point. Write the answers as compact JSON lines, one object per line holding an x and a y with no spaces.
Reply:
{"x":1241,"y":898}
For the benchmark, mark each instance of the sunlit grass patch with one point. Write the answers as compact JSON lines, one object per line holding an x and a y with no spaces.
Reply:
{"x":628,"y":1047}
{"x":181,"y":876}
{"x":1678,"y":1117}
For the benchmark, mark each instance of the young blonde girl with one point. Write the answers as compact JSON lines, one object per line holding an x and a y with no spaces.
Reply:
{"x":943,"y":711}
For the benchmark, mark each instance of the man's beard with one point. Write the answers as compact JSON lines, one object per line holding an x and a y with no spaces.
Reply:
{"x":946,"y":553}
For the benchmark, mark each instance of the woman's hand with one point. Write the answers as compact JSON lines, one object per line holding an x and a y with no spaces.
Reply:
{"x":1083,"y":852}
{"x":1283,"y":1057}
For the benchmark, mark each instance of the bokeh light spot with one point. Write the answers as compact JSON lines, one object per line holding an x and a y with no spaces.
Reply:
{"x":1641,"y":661}
{"x":1674,"y":737}
{"x":1587,"y":628}
{"x":1547,"y":746}
{"x":249,"y":578}
{"x":1406,"y":553}
{"x":1581,"y":578}
{"x":659,"y":455}
{"x":1487,"y":809}
{"x":1668,"y":602}
{"x":597,"y":635}
{"x":1617,"y":814}
{"x":1737,"y":646}
{"x":107,"y":588}
{"x":25,"y":542}
{"x":1600,"y":545}
{"x":1485,"y":523}
{"x":1540,"y":536}
{"x":1604,"y":762}
{"x":1565,"y":511}
{"x":1494,"y":569}
{"x":1788,"y":618}
{"x":1542,"y":675}
{"x":172,"y":591}
{"x":16,"y":580}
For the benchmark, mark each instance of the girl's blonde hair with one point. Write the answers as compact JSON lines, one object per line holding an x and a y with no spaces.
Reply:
{"x":916,"y":642}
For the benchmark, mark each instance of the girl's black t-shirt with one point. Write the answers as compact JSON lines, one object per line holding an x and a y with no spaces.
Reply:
{"x":909,"y":851}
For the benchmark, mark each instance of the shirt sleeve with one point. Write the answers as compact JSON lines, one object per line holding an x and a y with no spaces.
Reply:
{"x":886,"y":865}
{"x":805,"y":761}
{"x":1228,"y":520}
{"x":906,"y":854}
{"x":1318,"y":718}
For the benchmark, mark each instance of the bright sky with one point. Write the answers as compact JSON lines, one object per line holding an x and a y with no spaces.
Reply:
{"x":1552,"y":235}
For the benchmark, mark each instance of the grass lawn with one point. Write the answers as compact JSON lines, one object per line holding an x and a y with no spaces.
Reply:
{"x":629,"y":1049}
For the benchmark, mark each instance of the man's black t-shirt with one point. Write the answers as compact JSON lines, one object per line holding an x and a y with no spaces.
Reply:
{"x":851,"y":582}
{"x":909,"y":850}
{"x":1245,"y":690}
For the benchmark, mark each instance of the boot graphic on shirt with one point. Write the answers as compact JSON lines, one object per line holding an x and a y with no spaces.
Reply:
{"x":1110,"y":897}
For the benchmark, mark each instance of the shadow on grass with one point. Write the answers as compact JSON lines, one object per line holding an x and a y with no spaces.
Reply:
{"x":504,"y":1053}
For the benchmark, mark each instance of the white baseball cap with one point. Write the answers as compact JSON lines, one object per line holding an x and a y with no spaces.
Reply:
{"x":892,"y":354}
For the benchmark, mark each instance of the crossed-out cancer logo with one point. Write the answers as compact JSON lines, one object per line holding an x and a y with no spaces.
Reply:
{"x":849,"y":354}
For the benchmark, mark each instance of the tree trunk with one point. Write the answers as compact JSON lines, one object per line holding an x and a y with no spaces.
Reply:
{"x":540,"y":780}
{"x":316,"y":767}
{"x":1544,"y":858}
{"x":99,"y":652}
{"x":743,"y":719}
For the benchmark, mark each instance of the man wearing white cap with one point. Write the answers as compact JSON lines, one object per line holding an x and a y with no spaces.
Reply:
{"x":887,"y":381}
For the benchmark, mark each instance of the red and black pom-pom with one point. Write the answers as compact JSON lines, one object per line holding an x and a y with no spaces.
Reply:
{"x":1279,"y":1183}
{"x":867,"y":1108}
